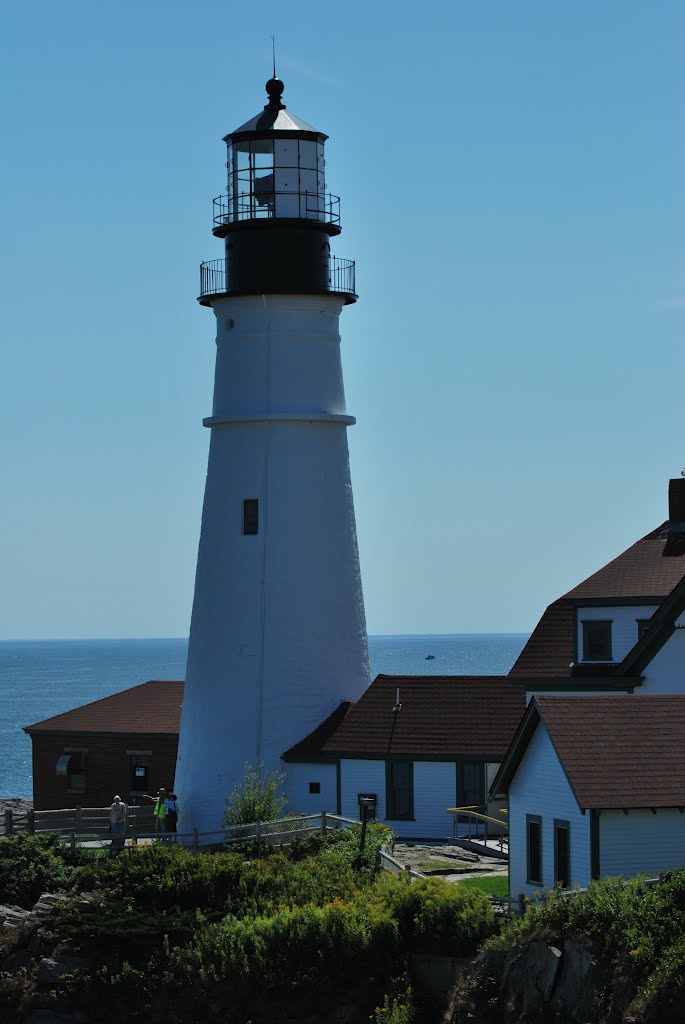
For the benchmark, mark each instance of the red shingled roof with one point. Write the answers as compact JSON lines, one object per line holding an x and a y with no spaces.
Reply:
{"x":549,"y":649}
{"x":620,"y":751}
{"x":311,"y":745}
{"x":650,"y":568}
{"x":648,"y":571}
{"x":441,"y":716}
{"x":153,"y":708}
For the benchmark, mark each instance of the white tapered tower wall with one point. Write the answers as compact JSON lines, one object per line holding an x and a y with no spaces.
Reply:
{"x":278,"y":634}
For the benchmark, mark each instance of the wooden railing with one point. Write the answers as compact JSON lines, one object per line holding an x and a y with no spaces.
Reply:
{"x":90,"y":827}
{"x":478,"y":826}
{"x":386,"y":862}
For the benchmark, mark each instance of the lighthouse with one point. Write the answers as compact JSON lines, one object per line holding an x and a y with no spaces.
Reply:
{"x":278,"y":633}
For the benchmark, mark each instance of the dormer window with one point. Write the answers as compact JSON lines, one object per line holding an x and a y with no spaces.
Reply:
{"x":642,"y":627}
{"x":597,"y":640}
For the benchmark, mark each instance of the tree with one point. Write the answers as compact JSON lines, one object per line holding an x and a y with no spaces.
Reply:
{"x":258,"y":798}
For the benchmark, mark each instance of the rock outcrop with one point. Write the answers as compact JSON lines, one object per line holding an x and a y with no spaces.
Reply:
{"x":536,"y":981}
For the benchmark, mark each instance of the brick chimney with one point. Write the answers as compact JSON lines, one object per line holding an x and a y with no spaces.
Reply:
{"x":676,"y":500}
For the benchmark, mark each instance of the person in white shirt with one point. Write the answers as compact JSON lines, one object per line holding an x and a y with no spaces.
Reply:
{"x":117,"y":821}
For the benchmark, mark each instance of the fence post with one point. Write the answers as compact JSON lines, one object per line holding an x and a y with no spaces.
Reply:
{"x":258,"y":834}
{"x":196,"y":840}
{"x":9,"y":824}
{"x":323,"y":822}
{"x":78,"y":817}
{"x":31,"y":821}
{"x":522,"y":904}
{"x":73,"y":841}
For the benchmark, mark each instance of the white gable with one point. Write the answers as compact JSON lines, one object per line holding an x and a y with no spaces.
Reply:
{"x":666,"y":671}
{"x":540,"y":787}
{"x":624,"y":631}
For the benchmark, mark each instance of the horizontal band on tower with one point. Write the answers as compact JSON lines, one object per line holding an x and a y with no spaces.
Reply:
{"x":279,"y":417}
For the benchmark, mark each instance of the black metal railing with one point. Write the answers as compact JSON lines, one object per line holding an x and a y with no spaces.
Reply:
{"x":319,"y":206}
{"x":339,"y":277}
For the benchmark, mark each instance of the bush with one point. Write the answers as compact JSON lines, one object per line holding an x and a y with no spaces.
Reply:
{"x":30,"y":866}
{"x":434,"y":916}
{"x":292,"y":948}
{"x":342,"y":847}
{"x":257,"y":798}
{"x":396,"y":1009}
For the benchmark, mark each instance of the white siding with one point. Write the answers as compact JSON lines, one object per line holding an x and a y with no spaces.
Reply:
{"x":540,"y":787}
{"x":435,"y":789}
{"x":300,"y":800}
{"x":361,"y":777}
{"x":666,"y":672}
{"x":624,"y":626}
{"x":641,"y":842}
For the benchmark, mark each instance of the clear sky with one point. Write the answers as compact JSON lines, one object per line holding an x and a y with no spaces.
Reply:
{"x":511,"y":188}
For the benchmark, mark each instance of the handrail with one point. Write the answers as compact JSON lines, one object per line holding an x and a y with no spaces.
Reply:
{"x":339,"y":276}
{"x":475,"y":814}
{"x":242,"y":206}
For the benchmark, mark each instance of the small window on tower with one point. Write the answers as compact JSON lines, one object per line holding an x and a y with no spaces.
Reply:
{"x":314,"y":787}
{"x":250,"y":516}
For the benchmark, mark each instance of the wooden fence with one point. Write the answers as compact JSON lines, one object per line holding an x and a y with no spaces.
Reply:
{"x":90,"y":827}
{"x":386,"y":862}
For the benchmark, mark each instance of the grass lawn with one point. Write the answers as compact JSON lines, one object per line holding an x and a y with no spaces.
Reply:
{"x":493,"y":886}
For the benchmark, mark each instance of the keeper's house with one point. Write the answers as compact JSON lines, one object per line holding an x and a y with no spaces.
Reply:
{"x":595,"y":774}
{"x":123,"y":744}
{"x":417,"y":745}
{"x":596,"y":787}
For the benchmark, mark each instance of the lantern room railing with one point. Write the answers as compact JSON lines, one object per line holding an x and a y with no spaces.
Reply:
{"x":319,"y":206}
{"x":340,"y":277}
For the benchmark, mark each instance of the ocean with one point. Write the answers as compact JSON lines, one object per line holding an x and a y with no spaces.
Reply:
{"x":40,"y":678}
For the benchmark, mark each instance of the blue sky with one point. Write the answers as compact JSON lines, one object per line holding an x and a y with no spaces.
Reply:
{"x":511,"y":189}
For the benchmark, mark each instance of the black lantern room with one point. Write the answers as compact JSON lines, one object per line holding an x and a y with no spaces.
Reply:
{"x":276,"y":217}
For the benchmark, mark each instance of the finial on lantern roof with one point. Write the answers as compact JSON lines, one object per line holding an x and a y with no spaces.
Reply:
{"x":274,"y":88}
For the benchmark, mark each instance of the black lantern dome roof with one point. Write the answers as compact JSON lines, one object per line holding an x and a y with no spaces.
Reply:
{"x":275,"y":117}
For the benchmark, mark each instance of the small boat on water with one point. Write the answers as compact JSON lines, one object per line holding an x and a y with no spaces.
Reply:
{"x":429,"y":657}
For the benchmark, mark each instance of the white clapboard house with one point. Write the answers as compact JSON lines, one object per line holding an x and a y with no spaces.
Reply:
{"x":595,"y":775}
{"x":415,"y":745}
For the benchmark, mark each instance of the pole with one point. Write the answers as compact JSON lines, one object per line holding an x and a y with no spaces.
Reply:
{"x":362,"y":838}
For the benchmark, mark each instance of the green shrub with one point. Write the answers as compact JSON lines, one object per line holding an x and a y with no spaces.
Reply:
{"x":433,"y":915}
{"x":257,"y":798}
{"x":29,"y":866}
{"x":291,"y":948}
{"x":396,"y":1009}
{"x":342,"y":847}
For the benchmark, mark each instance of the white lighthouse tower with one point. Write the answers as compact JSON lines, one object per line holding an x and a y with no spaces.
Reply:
{"x":278,"y":633}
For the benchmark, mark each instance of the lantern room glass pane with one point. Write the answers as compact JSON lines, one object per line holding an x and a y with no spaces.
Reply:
{"x":307,"y":154}
{"x":308,"y":180}
{"x":263,"y":152}
{"x":286,"y":179}
{"x":285,"y":152}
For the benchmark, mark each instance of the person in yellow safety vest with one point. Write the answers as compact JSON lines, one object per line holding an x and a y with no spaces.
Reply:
{"x":159,"y":810}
